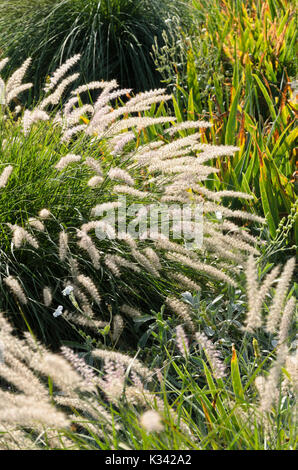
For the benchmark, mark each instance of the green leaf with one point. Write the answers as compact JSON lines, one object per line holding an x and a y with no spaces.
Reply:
{"x":236,"y":379}
{"x":144,"y":319}
{"x":214,"y":390}
{"x":144,"y":338}
{"x":105,"y":331}
{"x":190,"y":106}
{"x":231,"y":128}
{"x":286,"y":145}
{"x":267,"y":97}
{"x":265,"y":202}
{"x":177,"y":110}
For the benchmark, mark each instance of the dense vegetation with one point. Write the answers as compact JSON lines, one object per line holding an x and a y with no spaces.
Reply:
{"x":123,"y":335}
{"x":114,"y":37}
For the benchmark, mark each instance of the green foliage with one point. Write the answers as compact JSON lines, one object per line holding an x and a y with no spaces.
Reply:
{"x":36,"y":185}
{"x":115,"y":37}
{"x":248,"y":97}
{"x":217,"y":421}
{"x":232,"y":66}
{"x":195,"y":410}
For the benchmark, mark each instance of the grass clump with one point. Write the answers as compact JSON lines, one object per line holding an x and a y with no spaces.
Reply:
{"x":204,"y":395}
{"x":115,"y":37}
{"x":81,"y":164}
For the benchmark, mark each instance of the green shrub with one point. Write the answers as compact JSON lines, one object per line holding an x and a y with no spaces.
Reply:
{"x":114,"y":37}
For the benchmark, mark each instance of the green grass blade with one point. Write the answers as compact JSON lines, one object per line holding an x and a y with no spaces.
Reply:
{"x":236,"y":379}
